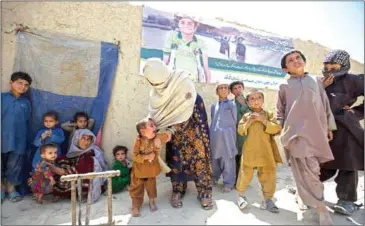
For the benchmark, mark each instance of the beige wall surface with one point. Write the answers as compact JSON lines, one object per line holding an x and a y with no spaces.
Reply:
{"x":111,"y":22}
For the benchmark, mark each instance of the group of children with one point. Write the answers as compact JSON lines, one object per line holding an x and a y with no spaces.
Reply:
{"x":304,"y":118}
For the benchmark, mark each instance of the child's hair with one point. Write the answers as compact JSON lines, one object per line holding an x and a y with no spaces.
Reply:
{"x":44,"y":147}
{"x":52,"y":114}
{"x":120,"y":148}
{"x":252,"y":91}
{"x":142,"y":124}
{"x":236,"y":83}
{"x":283,"y":60}
{"x":21,"y":75}
{"x":81,"y":114}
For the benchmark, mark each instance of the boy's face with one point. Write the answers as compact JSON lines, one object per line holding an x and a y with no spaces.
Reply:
{"x":50,"y":154}
{"x":222,"y":91}
{"x":49,"y":122}
{"x":81,"y":122}
{"x":255,"y":101}
{"x":237,"y":90}
{"x":149,"y":131}
{"x":187,"y":26}
{"x":294,"y":64}
{"x":19,"y":86}
{"x":85,"y":142}
{"x":120,"y":155}
{"x":331,"y":67}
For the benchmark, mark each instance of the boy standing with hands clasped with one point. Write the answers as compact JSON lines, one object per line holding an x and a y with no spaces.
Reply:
{"x":146,"y":166}
{"x":261,"y":152}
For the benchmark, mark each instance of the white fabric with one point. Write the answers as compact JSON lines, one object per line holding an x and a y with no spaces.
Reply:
{"x":172,"y":100}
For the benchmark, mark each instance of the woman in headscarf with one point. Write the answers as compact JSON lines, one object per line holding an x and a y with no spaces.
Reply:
{"x":347,"y":146}
{"x":83,"y":157}
{"x":174,"y":105}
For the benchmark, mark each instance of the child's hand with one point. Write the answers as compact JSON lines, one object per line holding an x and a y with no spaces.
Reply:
{"x":330,"y":135}
{"x":169,"y":135}
{"x":52,"y":181}
{"x":44,"y":135}
{"x":151,"y":156}
{"x":157,"y":143}
{"x":50,"y":133}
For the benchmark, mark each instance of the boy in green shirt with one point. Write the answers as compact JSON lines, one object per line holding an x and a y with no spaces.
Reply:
{"x":183,"y":49}
{"x":121,"y":163}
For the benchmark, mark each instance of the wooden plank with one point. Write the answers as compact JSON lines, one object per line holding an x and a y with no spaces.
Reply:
{"x":79,"y":192}
{"x":73,"y":177}
{"x":110,"y":208}
{"x":88,"y":205}
{"x":73,"y":202}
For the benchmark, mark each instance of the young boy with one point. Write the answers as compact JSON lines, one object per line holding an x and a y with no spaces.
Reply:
{"x":15,"y":115}
{"x":183,"y":49}
{"x":81,"y":121}
{"x":223,"y":138}
{"x":146,"y":164}
{"x":237,"y":88}
{"x":261,"y":151}
{"x":47,"y":135}
{"x":121,"y":163}
{"x":304,"y":112}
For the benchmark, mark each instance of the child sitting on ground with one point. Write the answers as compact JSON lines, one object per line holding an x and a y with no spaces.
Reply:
{"x":81,"y":121}
{"x":146,"y":164}
{"x":50,"y":134}
{"x":121,"y":163}
{"x":42,"y":181}
{"x":261,"y":151}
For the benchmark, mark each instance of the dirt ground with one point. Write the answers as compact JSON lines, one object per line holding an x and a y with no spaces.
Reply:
{"x":28,"y":212}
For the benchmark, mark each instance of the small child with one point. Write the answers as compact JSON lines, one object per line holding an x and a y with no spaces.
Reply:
{"x":48,"y":135}
{"x":261,"y":151}
{"x":81,"y":121}
{"x":15,"y":115}
{"x":223,"y":138}
{"x":42,"y":181}
{"x":121,"y":163}
{"x":146,"y":164}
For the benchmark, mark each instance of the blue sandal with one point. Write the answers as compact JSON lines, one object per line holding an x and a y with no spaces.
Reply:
{"x":15,"y":197}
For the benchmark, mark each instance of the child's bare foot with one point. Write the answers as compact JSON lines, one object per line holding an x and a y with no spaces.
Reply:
{"x":153,"y":206}
{"x":324,"y":216}
{"x":135,"y":212}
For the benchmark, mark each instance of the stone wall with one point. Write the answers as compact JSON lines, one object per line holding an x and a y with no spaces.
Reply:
{"x":111,"y":22}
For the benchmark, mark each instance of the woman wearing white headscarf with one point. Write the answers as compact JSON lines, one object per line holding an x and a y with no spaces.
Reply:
{"x":83,"y":157}
{"x":174,"y":105}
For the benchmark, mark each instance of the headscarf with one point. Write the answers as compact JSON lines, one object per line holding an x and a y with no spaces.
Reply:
{"x":337,"y":57}
{"x":172,"y":101}
{"x":75,"y":150}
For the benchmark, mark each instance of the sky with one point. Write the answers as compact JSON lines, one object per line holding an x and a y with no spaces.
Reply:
{"x":334,"y":24}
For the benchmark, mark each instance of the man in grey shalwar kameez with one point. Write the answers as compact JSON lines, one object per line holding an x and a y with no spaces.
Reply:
{"x":223,"y":138}
{"x":304,"y":112}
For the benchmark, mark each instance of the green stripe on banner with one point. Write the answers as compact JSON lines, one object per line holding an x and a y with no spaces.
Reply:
{"x":225,"y":64}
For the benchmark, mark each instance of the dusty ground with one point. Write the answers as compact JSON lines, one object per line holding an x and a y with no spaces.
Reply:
{"x":226,"y":212}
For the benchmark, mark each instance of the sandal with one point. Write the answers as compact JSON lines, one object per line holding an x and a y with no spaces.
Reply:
{"x":242,"y":202}
{"x":176,"y":201}
{"x":15,"y":197}
{"x":270,"y":206}
{"x":346,"y":207}
{"x":207,"y":203}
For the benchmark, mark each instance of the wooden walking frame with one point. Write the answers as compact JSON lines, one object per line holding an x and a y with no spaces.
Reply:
{"x":79,"y":177}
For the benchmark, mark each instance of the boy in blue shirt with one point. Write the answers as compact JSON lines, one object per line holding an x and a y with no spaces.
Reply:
{"x":15,"y":115}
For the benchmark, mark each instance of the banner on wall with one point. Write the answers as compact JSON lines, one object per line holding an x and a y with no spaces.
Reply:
{"x":213,"y":50}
